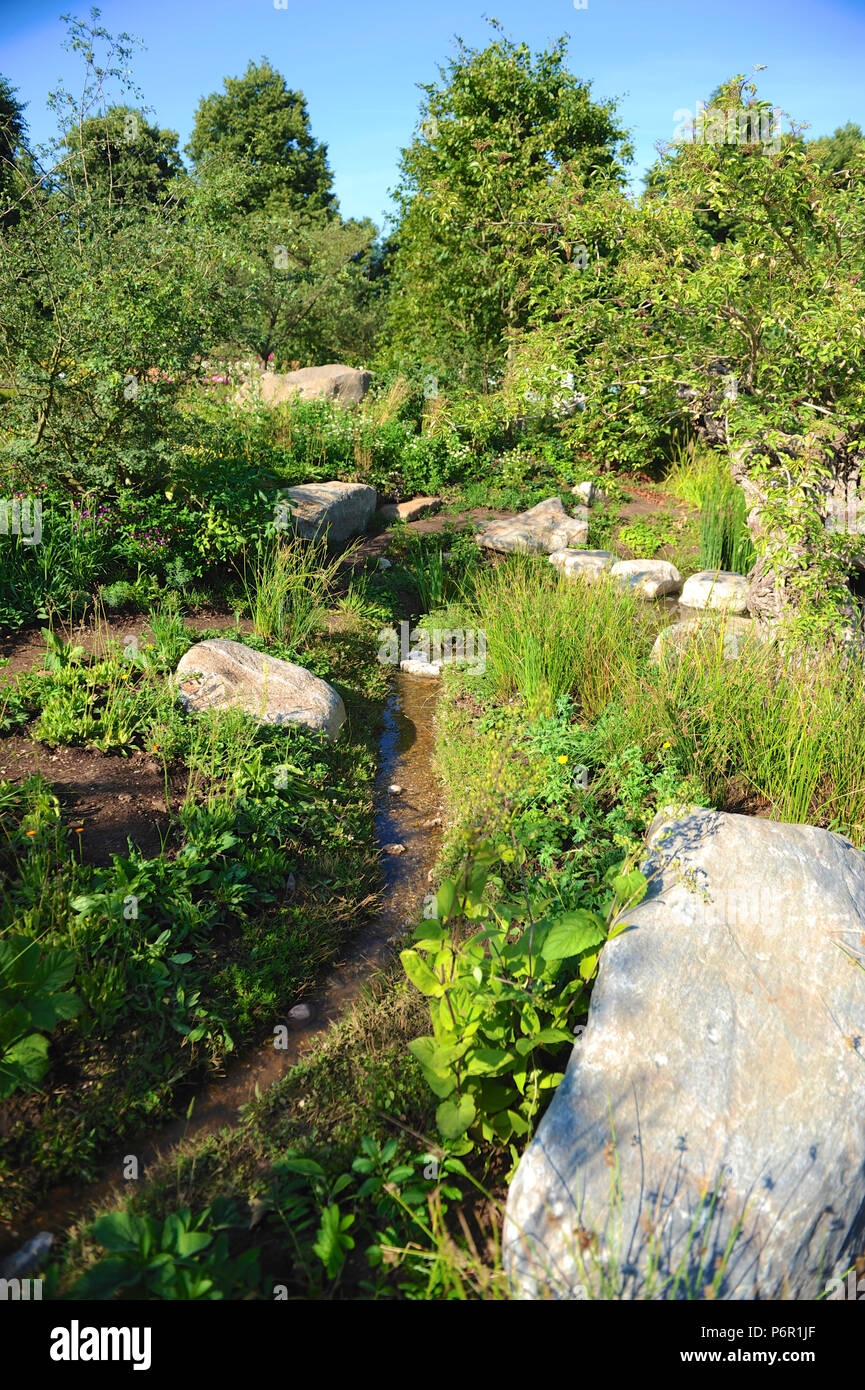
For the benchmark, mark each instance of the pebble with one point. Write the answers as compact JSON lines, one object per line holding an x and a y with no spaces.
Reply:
{"x":301,"y":1013}
{"x":393,"y":849}
{"x":395,"y":788}
{"x":432,"y":823}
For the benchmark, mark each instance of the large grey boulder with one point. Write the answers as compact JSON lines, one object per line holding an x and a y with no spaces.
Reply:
{"x":648,"y":578}
{"x":218,"y":674}
{"x":335,"y":510}
{"x":720,"y":1080}
{"x":716,"y":589}
{"x":541,"y":530}
{"x":342,"y":385}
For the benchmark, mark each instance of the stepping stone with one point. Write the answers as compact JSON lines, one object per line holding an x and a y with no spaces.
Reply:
{"x":220,"y":674}
{"x":716,"y":589}
{"x":417,"y":664}
{"x":649,"y":578}
{"x":410,"y":511}
{"x":541,"y":530}
{"x":590,"y":565}
{"x":332,"y":510}
{"x":733,"y":633}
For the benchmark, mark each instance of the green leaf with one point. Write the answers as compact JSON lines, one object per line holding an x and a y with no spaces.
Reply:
{"x":420,"y":974}
{"x":571,"y":934}
{"x":453,"y":1117}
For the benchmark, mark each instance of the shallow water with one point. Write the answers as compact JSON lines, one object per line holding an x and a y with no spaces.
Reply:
{"x":406,"y":745}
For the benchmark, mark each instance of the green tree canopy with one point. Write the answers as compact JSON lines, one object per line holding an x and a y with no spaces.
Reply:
{"x":495,"y":131}
{"x":123,"y":158}
{"x":258,"y":120}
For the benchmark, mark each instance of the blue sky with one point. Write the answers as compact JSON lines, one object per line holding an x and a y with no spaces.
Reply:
{"x":358,"y":64}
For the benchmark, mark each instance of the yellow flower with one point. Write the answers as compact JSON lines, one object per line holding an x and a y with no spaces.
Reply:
{"x":668,"y":744}
{"x":563,"y":757}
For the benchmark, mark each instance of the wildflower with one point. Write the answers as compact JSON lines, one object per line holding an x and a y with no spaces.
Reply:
{"x":79,"y":829}
{"x":668,"y":744}
{"x":30,"y":832}
{"x":562,"y":758}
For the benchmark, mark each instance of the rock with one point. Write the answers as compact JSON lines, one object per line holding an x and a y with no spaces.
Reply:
{"x":218,"y":673}
{"x":543,"y":529}
{"x":649,"y":578}
{"x":582,"y":564}
{"x":342,"y":385}
{"x":734,"y":633}
{"x":418,"y":664}
{"x":723,"y":1050}
{"x":431,"y":823}
{"x":394,"y":789}
{"x":28,"y":1259}
{"x":716,"y":589}
{"x":301,"y":1013}
{"x":410,"y":511}
{"x":589,"y":492}
{"x":384,"y":563}
{"x":393,"y":849}
{"x":337,"y":510}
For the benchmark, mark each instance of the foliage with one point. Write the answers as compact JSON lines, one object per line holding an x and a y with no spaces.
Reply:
{"x":33,"y":999}
{"x":497,"y":127}
{"x":182,"y":1257}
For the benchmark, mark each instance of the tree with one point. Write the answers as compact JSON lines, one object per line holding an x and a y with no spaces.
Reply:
{"x":495,"y":131}
{"x":124,"y":160}
{"x":306,"y":289}
{"x":13,"y":154}
{"x":258,"y":120}
{"x":756,"y":338}
{"x":842,"y":153}
{"x":105,"y":313}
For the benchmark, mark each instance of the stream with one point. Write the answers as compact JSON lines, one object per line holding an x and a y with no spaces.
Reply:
{"x":405,"y":760}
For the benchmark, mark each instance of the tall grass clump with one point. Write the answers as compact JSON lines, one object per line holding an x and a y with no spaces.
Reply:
{"x":549,"y":636}
{"x":286,"y":584}
{"x":725,"y":541}
{"x":694,"y":472}
{"x":790,"y":726}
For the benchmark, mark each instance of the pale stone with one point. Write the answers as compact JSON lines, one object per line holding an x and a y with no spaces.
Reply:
{"x":716,"y":589}
{"x":590,"y":565}
{"x":334,"y":382}
{"x":649,"y":578}
{"x":335,"y":510}
{"x":733,"y":633}
{"x":722,"y":1056}
{"x":543,"y":529}
{"x":410,"y":511}
{"x":219,"y":674}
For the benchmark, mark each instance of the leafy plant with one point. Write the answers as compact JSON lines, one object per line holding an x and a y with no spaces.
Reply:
{"x":183,"y":1257}
{"x":33,"y":1000}
{"x":503,"y":1000}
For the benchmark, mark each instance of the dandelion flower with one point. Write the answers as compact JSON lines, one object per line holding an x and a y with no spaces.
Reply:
{"x":562,"y":758}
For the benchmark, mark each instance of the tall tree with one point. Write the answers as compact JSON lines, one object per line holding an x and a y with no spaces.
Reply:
{"x":260,"y":121}
{"x":495,"y":130}
{"x":123,"y":158}
{"x":13,"y":131}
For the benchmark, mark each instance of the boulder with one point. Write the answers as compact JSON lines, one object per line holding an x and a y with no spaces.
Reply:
{"x":716,"y":589}
{"x":717,"y":1096}
{"x":410,"y":511}
{"x":733,"y":632}
{"x":648,"y":578}
{"x":218,"y":674}
{"x":543,"y":529}
{"x":342,"y":385}
{"x":334,"y":510}
{"x":589,"y":492}
{"x":582,"y":564}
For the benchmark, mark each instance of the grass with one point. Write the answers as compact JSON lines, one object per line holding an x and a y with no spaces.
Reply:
{"x":546,"y":634}
{"x":725,"y":541}
{"x":286,"y":585}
